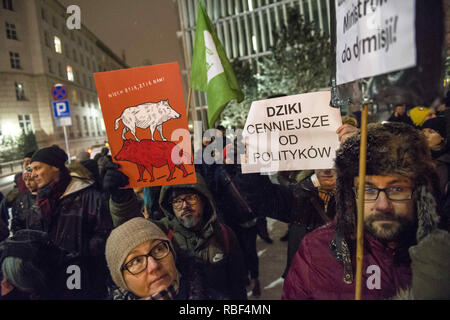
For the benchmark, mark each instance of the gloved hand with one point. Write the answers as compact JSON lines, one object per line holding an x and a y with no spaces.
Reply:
{"x":113,"y":181}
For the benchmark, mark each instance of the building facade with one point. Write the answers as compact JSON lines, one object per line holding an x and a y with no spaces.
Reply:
{"x":38,"y":50}
{"x":245,"y":29}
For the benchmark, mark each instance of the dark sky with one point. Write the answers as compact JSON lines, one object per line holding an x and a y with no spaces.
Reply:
{"x":146,"y":29}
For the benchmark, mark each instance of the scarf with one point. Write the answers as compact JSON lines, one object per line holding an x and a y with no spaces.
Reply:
{"x":169,"y":293}
{"x":49,"y":194}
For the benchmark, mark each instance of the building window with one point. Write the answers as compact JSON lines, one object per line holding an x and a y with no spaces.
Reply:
{"x":82,"y":99}
{"x":20,"y":92}
{"x":57,"y":43}
{"x":7,"y":4}
{"x":46,"y":39}
{"x":91,"y":123}
{"x":54,"y":23}
{"x":74,"y":97}
{"x":69,"y":73}
{"x":84,"y":80}
{"x":50,"y":67}
{"x":60,"y":69}
{"x":25,"y":122}
{"x":43,"y":14}
{"x":82,"y":59}
{"x":75,"y":58}
{"x":14,"y":59}
{"x":85,"y":123}
{"x":11,"y":31}
{"x":78,"y":122}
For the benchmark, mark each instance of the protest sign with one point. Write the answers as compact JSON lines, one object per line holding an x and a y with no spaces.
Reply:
{"x":146,"y":123}
{"x":291,"y":133}
{"x":374,"y":37}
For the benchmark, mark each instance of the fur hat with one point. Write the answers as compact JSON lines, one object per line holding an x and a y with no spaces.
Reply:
{"x":125,"y":238}
{"x":392,"y":148}
{"x":418,"y":115}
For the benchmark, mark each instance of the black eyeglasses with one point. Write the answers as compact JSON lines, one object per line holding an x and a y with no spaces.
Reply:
{"x":393,"y":193}
{"x":190,"y":199}
{"x":139,"y":263}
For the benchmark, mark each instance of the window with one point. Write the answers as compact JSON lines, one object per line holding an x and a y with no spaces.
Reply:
{"x":25,"y":122}
{"x":60,"y":69}
{"x":20,"y":92}
{"x":82,"y":59}
{"x":75,"y":58}
{"x":69,"y":73}
{"x":82,"y":99}
{"x":98,"y":126}
{"x":91,"y":123}
{"x":50,"y":67}
{"x":43,"y":14}
{"x":85,"y":123}
{"x":84,"y":80}
{"x":57,"y":43}
{"x":7,"y":4}
{"x":11,"y":31}
{"x":74,"y":96}
{"x":46,"y":39}
{"x":78,"y":122}
{"x":54,"y":23}
{"x":14,"y":59}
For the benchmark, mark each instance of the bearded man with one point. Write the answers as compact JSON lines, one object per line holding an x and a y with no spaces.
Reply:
{"x":400,"y":209}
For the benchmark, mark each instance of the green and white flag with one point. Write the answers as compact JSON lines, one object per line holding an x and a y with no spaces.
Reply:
{"x":211,"y":71}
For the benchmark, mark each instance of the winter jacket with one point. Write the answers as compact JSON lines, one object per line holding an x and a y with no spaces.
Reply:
{"x":26,"y":213}
{"x":315,"y":274}
{"x":215,"y":243}
{"x":4,"y":231}
{"x":80,"y":226}
{"x":308,"y":213}
{"x":193,"y":284}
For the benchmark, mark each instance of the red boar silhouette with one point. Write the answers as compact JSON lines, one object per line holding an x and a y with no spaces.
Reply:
{"x":147,"y":154}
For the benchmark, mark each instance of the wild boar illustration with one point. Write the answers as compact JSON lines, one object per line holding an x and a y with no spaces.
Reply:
{"x":147,"y":154}
{"x":147,"y":115}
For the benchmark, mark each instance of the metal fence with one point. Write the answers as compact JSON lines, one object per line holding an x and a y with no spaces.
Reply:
{"x":12,"y":167}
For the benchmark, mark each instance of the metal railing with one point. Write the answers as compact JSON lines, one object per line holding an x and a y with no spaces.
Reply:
{"x":12,"y":167}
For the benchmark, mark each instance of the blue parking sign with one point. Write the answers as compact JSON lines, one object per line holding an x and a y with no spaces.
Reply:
{"x":61,"y":109}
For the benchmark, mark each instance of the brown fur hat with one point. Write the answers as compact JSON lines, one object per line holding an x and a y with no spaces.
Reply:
{"x":392,"y":148}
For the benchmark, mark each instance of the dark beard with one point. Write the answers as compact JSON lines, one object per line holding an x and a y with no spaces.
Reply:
{"x":400,"y":231}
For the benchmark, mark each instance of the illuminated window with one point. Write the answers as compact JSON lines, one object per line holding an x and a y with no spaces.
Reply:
{"x":25,"y":122}
{"x":58,"y":47}
{"x":74,"y":96}
{"x":20,"y":93}
{"x":69,"y":73}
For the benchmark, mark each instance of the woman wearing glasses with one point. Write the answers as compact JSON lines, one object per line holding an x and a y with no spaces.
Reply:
{"x":143,"y":265}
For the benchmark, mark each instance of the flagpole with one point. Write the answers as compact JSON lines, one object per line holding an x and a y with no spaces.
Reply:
{"x":188,"y":103}
{"x":360,"y":216}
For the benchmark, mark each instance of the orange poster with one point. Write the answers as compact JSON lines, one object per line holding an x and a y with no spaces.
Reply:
{"x":145,"y":119}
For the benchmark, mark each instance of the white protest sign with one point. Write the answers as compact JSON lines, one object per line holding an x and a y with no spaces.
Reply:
{"x":374,"y":37}
{"x":291,"y":133}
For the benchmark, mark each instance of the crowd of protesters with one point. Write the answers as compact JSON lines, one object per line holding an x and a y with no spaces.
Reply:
{"x":75,"y":232}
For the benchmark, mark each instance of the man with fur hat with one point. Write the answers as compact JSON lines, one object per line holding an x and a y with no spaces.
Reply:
{"x":191,"y":224}
{"x":400,"y":209}
{"x":75,"y":216}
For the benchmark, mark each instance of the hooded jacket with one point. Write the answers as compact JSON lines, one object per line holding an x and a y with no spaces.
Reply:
{"x":214,"y":243}
{"x":323,"y":267}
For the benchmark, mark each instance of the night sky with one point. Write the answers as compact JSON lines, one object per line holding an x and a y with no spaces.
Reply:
{"x":146,"y":29}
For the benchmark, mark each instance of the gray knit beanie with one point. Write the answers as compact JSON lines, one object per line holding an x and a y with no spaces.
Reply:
{"x":125,"y":238}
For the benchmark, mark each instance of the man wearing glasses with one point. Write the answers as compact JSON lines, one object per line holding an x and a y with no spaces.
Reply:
{"x":400,"y":209}
{"x":191,"y":224}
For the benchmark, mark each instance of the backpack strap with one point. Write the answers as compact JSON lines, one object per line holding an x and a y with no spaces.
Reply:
{"x":226,"y":238}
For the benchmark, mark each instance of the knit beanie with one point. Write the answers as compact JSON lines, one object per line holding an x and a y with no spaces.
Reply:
{"x":125,"y":238}
{"x":53,"y":156}
{"x":438,"y":124}
{"x":418,"y":115}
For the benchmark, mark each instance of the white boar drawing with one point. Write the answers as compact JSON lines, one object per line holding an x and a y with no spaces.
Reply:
{"x":147,"y":115}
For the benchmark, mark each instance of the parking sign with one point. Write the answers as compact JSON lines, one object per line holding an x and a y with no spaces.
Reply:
{"x":61,"y":112}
